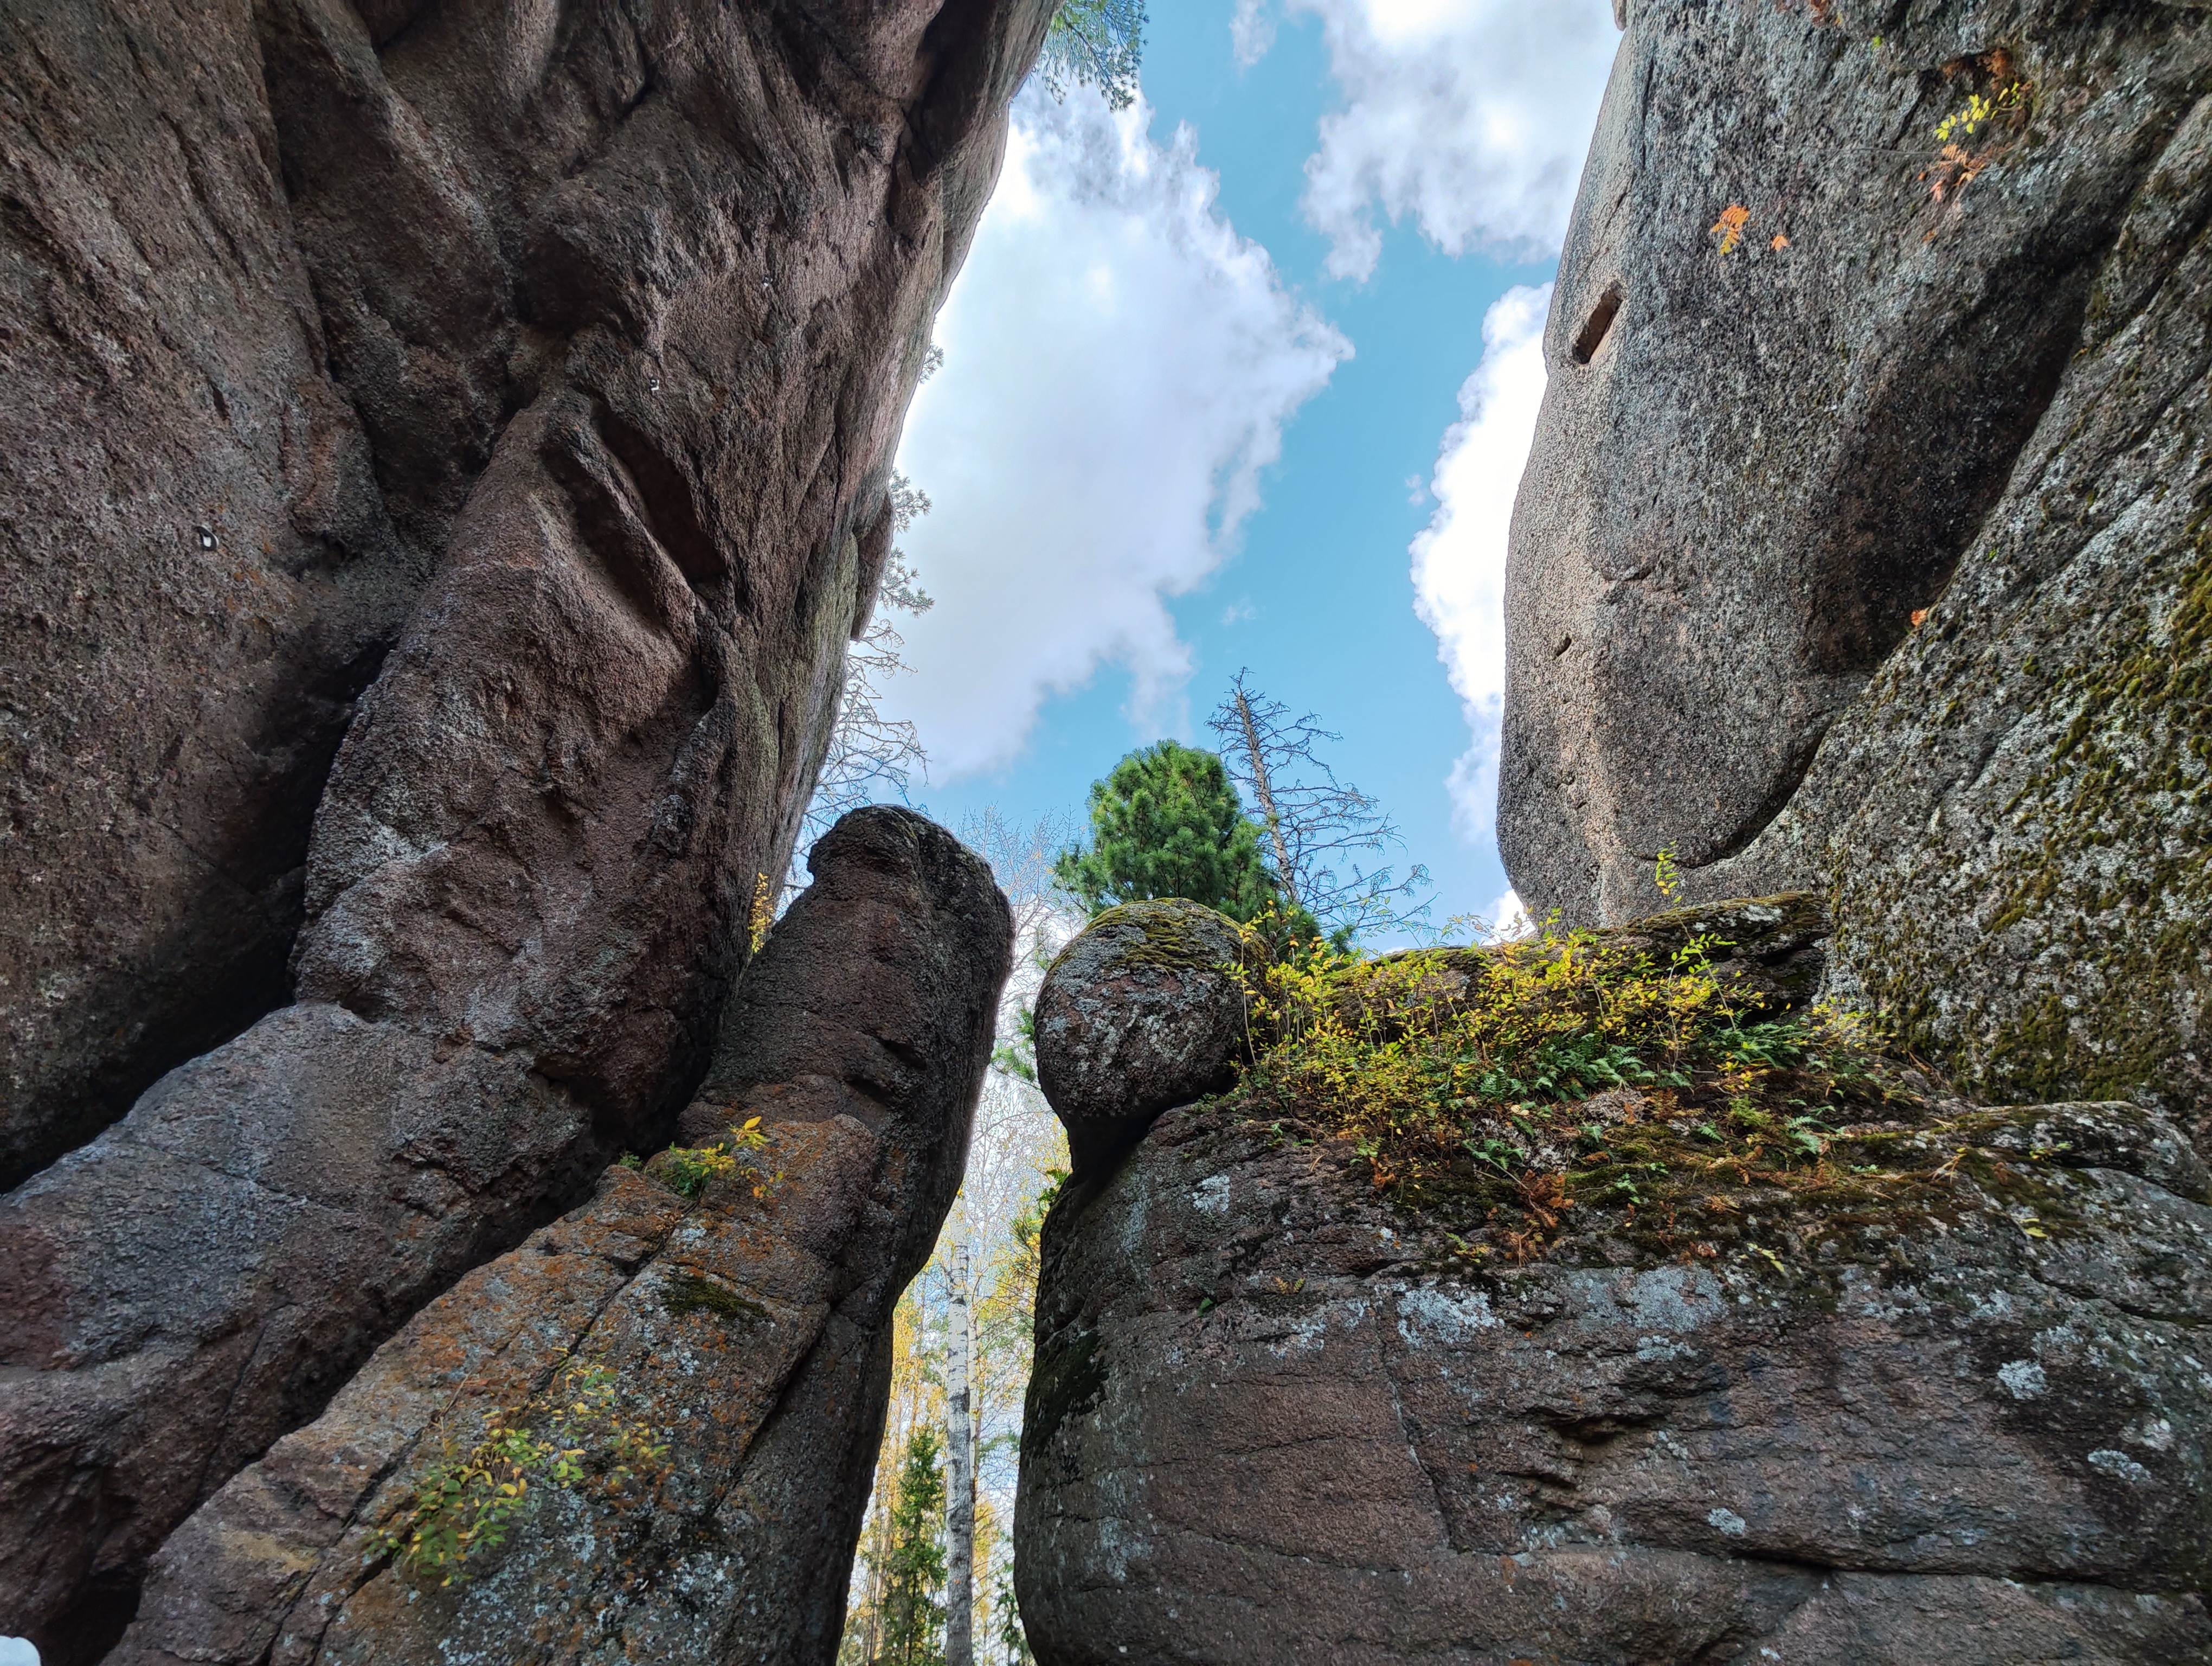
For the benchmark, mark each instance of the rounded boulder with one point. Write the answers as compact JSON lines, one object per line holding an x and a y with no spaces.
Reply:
{"x":1142,"y":1011}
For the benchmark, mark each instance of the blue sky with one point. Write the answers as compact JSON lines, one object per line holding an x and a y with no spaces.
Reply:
{"x":1201,"y":376}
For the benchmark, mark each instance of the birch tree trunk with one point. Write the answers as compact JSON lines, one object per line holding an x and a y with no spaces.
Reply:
{"x":960,"y":1471}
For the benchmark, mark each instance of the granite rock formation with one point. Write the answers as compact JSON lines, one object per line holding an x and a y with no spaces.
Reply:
{"x":1141,"y":1011}
{"x":1275,"y":1416}
{"x":1861,"y":546}
{"x":607,"y":319}
{"x":746,"y":1332}
{"x":204,"y":569}
{"x":1770,"y":952}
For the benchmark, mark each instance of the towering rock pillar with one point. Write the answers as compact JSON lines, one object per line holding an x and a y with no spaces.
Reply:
{"x":1861,"y":543}
{"x":608,"y":318}
{"x":710,"y":1339}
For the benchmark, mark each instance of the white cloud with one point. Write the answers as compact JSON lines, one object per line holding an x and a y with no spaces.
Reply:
{"x":1508,"y":918}
{"x":1459,"y":559}
{"x":1119,"y":367}
{"x":1469,"y":117}
{"x":1252,"y":31}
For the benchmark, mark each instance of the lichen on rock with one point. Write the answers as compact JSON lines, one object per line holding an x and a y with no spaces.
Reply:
{"x":1142,"y":1010}
{"x":1814,"y":1364}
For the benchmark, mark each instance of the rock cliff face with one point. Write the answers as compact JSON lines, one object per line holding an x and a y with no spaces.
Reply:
{"x":1275,"y":1418}
{"x":1934,"y":1395}
{"x":732,"y":1351}
{"x":511,"y":393}
{"x":1860,"y":546}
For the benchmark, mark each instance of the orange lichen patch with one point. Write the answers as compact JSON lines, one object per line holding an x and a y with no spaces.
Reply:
{"x":1730,"y":226}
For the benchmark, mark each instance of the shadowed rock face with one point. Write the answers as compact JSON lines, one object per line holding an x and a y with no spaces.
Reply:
{"x":282,"y":281}
{"x":749,"y":1331}
{"x":611,"y":318}
{"x":1980,"y":409}
{"x":204,"y":569}
{"x":1274,"y":1417}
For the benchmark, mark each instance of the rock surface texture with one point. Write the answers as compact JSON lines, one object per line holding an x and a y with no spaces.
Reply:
{"x":1861,"y":545}
{"x":608,"y":319}
{"x":1275,"y":1417}
{"x":1141,"y":1011}
{"x":204,"y":567}
{"x":746,"y":1331}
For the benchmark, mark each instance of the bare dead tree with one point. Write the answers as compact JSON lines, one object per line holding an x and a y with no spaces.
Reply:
{"x":1316,"y":826}
{"x":872,"y":757}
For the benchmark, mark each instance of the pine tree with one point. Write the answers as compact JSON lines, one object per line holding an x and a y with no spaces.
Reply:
{"x":1012,"y":1640}
{"x":913,"y":1587}
{"x":1167,"y":822}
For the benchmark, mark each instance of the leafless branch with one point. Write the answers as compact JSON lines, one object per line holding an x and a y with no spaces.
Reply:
{"x":1316,"y":825}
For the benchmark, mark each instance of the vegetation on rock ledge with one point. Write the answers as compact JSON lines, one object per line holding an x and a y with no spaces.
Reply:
{"x":1496,"y":1090}
{"x":688,"y":1170}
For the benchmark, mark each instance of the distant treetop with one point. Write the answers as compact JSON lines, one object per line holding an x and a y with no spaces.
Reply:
{"x":1095,"y":43}
{"x":1167,"y":822}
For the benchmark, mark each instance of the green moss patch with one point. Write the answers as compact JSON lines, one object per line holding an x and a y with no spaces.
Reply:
{"x":687,"y":1293}
{"x":1169,"y":934}
{"x":1514,"y":1097}
{"x":2106,"y":905}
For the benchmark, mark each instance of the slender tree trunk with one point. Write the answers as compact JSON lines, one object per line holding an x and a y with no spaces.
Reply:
{"x":880,"y":1529}
{"x":1265,"y":788}
{"x":876,"y":1561}
{"x":960,"y":1477}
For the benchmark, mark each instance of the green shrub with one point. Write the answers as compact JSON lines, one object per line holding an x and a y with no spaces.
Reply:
{"x":1461,"y":1077}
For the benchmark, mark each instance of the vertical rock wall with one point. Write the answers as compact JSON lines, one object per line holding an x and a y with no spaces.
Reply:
{"x":610,"y":316}
{"x":747,"y":1332}
{"x":1865,"y":553}
{"x":201,"y":571}
{"x":1277,"y":1417}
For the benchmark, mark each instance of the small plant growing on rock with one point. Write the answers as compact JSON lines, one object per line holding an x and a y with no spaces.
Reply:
{"x":1958,"y":165}
{"x":687,"y":1169}
{"x":1963,"y":122}
{"x":467,"y":1503}
{"x":1978,"y":112}
{"x":763,"y":913}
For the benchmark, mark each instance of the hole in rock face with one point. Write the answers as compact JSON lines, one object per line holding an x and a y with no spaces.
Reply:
{"x":1600,"y":321}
